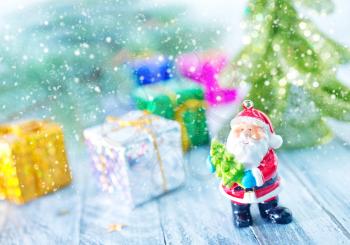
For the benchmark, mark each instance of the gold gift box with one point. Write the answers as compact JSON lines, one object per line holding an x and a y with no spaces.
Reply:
{"x":33,"y":161}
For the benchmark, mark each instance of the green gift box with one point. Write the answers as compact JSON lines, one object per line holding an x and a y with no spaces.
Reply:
{"x":180,"y":100}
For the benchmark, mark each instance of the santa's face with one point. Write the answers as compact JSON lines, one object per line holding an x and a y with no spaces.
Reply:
{"x":248,"y":143}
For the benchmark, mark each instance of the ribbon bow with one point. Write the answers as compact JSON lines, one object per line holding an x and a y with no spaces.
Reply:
{"x":179,"y":110}
{"x":26,"y":127}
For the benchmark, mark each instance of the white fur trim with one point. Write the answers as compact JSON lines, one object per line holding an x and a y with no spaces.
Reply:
{"x":250,"y":197}
{"x":245,"y":119}
{"x":258,"y":176}
{"x":275,"y":141}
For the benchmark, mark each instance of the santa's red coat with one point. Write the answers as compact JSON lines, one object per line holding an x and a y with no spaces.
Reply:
{"x":267,"y":172}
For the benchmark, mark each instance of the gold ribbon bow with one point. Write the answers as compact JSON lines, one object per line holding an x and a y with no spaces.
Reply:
{"x":192,"y":104}
{"x":142,"y":123}
{"x":26,"y":127}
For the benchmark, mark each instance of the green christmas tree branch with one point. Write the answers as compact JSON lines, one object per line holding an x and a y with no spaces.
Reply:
{"x":331,"y":106}
{"x":326,"y":6}
{"x":290,"y":65}
{"x":321,"y":42}
{"x":228,"y":169}
{"x":334,"y":87}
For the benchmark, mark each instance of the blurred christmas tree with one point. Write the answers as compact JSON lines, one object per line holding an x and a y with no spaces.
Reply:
{"x":61,"y":52}
{"x":290,"y":65}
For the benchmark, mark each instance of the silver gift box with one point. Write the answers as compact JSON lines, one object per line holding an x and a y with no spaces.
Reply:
{"x":137,"y":156}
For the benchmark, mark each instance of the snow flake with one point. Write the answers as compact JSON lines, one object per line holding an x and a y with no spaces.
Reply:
{"x":77,"y":52}
{"x":315,"y":84}
{"x":282,"y":82}
{"x":192,"y":69}
{"x":97,"y":89}
{"x":292,"y":74}
{"x":246,"y":40}
{"x":282,"y":91}
{"x":302,"y":25}
{"x":276,"y":47}
{"x":108,"y":39}
{"x":316,"y":37}
{"x":307,"y":33}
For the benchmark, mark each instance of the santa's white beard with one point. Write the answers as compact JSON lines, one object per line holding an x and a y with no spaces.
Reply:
{"x":246,"y":150}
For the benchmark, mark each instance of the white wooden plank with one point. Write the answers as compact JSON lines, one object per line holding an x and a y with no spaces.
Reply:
{"x":324,"y":172}
{"x":198,"y":213}
{"x":311,"y":224}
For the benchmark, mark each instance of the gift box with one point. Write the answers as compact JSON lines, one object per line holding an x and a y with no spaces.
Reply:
{"x":179,"y":100}
{"x":137,"y":156}
{"x":204,"y":69}
{"x":152,"y":69}
{"x":32,"y":160}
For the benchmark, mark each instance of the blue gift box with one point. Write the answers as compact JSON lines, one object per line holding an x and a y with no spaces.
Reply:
{"x":152,"y":70}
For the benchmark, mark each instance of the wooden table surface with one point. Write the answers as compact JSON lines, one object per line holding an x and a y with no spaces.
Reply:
{"x":316,"y":190}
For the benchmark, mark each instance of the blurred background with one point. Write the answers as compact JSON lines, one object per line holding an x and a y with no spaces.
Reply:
{"x":56,"y":49}
{"x":52,"y":50}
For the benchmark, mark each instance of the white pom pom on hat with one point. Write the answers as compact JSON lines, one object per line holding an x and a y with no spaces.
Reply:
{"x":276,"y":141}
{"x":251,"y":115}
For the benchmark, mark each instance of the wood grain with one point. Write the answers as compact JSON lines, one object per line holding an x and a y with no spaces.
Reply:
{"x":195,"y":214}
{"x":323,"y":171}
{"x":199,"y":214}
{"x":311,"y":224}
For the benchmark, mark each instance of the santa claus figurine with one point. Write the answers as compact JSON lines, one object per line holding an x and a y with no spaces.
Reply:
{"x":252,"y":141}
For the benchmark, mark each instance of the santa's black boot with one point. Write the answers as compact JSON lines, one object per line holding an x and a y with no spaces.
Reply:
{"x":241,"y":215}
{"x":274,"y":213}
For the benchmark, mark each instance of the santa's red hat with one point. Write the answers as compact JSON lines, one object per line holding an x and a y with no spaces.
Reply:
{"x":251,"y":115}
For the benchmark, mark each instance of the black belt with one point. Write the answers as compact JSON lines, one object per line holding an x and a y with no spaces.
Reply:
{"x":266,"y":184}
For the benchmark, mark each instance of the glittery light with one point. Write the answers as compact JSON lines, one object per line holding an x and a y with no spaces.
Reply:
{"x":115,"y":227}
{"x":32,"y":160}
